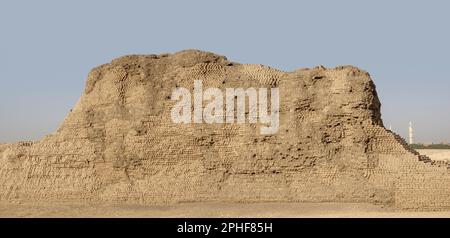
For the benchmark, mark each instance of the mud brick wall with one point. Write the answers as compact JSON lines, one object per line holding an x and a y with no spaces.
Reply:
{"x":119,"y":143}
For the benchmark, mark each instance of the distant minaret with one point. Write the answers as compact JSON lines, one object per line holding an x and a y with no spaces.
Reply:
{"x":411,"y":137}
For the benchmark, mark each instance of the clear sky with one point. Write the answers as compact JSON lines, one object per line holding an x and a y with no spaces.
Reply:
{"x":48,"y":47}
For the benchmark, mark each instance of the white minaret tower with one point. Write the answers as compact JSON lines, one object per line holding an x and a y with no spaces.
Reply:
{"x":411,"y":137}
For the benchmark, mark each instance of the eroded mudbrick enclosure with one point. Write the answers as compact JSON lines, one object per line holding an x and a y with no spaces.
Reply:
{"x":119,"y":144}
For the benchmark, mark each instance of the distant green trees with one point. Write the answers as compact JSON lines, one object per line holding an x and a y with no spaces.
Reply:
{"x":431,"y":146}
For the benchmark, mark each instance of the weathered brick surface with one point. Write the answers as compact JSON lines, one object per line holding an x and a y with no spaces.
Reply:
{"x":119,"y":143}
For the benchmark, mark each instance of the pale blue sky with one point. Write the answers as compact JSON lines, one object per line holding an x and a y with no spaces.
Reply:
{"x":48,"y":47}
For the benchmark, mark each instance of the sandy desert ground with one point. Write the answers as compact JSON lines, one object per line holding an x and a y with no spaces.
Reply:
{"x":193,"y":210}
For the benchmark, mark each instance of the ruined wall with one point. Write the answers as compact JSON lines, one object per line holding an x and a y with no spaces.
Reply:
{"x":119,"y":144}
